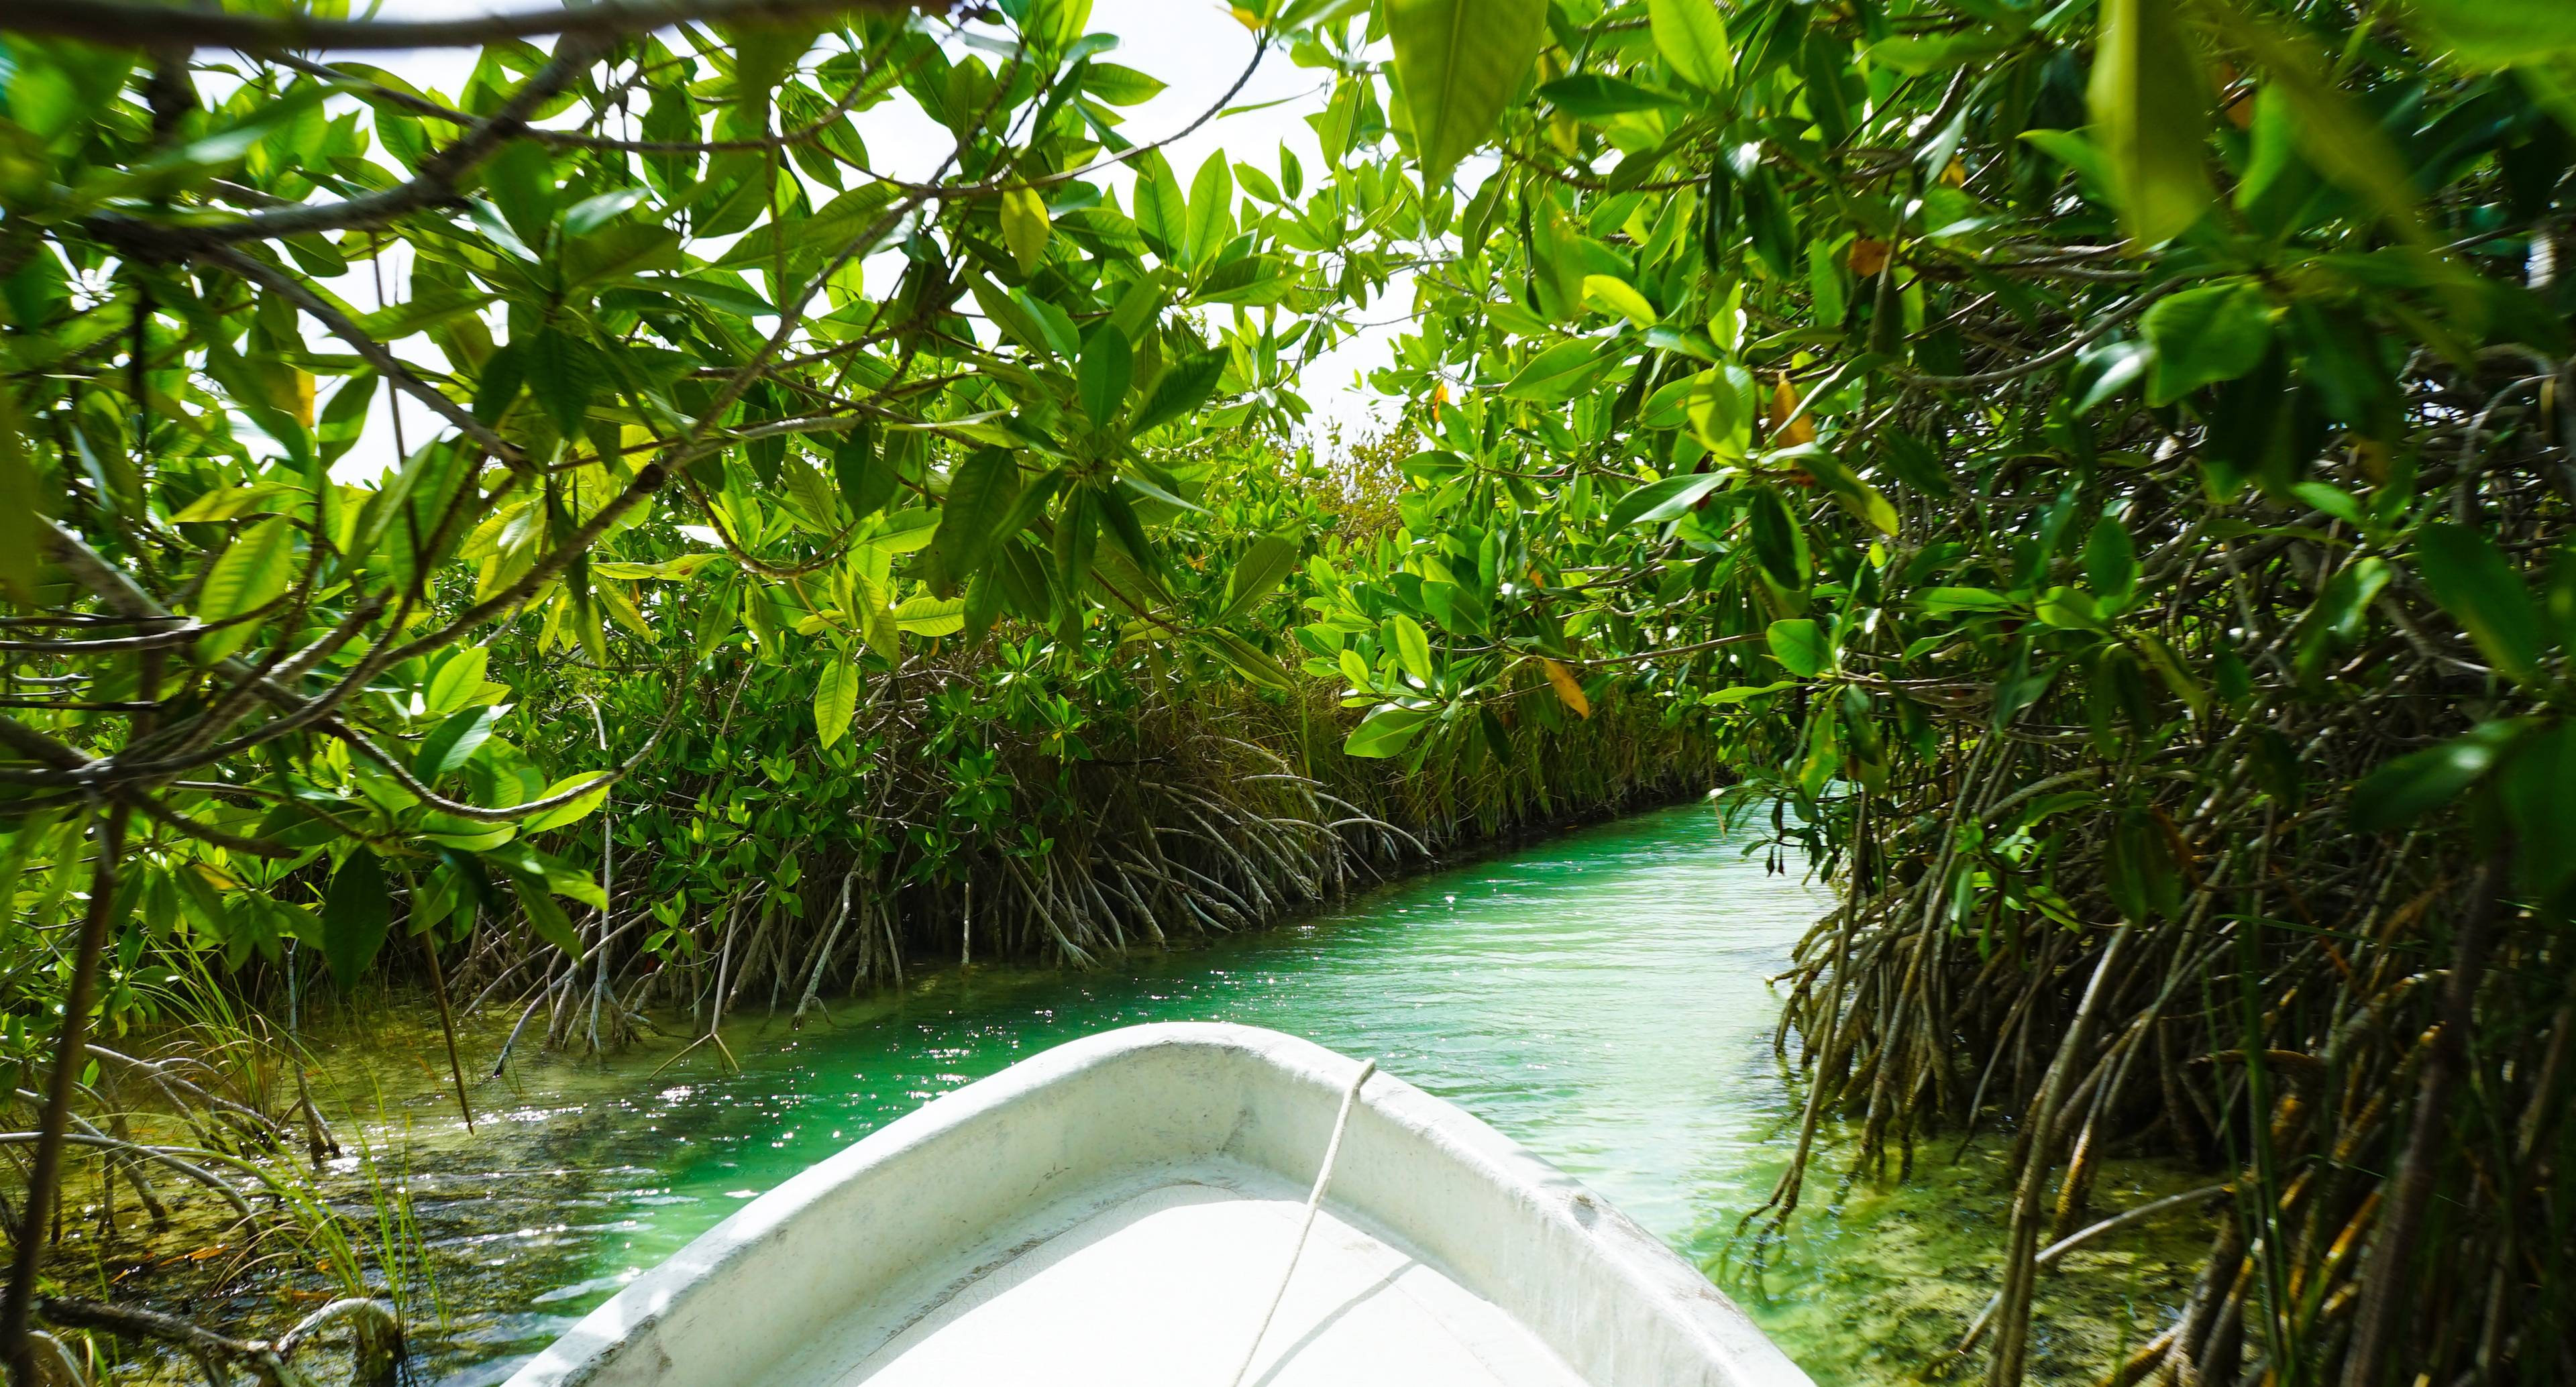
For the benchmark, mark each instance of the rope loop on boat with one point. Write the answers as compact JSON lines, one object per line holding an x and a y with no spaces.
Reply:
{"x":1314,"y":1201}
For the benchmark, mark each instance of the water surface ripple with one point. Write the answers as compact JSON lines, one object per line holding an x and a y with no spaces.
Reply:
{"x":1601,"y":997}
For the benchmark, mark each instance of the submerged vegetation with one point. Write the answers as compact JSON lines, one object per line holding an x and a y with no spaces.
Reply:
{"x":2096,"y":476}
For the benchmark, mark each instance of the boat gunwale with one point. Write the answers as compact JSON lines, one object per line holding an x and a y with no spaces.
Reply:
{"x":1718,"y":1337}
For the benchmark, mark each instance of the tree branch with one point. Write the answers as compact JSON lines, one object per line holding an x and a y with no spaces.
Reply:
{"x":127,"y":24}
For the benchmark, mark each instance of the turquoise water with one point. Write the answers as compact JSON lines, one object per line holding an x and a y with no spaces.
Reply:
{"x":1601,"y":997}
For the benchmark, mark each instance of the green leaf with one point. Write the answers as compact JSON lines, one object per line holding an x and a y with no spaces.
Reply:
{"x":2139,"y":870}
{"x":1247,"y":659}
{"x":1665,"y":408}
{"x":563,"y":373}
{"x":1691,"y":35}
{"x":1412,"y":646}
{"x":1941,"y":601}
{"x":2076,"y":152}
{"x":1055,"y":326}
{"x":809,"y":495}
{"x":1180,"y":390}
{"x":836,"y":698}
{"x":1597,"y":96}
{"x":1126,"y":528}
{"x":592,"y":213}
{"x":1558,"y":374}
{"x":1613,"y":295}
{"x":2111,"y":562}
{"x":1719,"y":411}
{"x":458,"y":680}
{"x":251,"y":573}
{"x":1268,"y":561}
{"x":1387,"y":730}
{"x":764,"y":56}
{"x":546,"y":917}
{"x":1459,"y":62}
{"x":2406,"y":789}
{"x":2150,"y":106}
{"x":2201,"y":336}
{"x":931,"y":616}
{"x":876,"y":619}
{"x":711,"y":290}
{"x":1108,"y":365}
{"x":2538,"y":781}
{"x":2068,"y":609}
{"x":355,"y":916}
{"x":453,"y":742}
{"x":2501,"y":33}
{"x":1077,"y":538}
{"x":620,"y":252}
{"x":1119,"y":86}
{"x":2472,"y":581}
{"x":1025,"y":227}
{"x":572,"y":811}
{"x":2176,"y":677}
{"x":1779,"y":541}
{"x":1145,"y":489}
{"x":1669,"y":499}
{"x":675,"y":569}
{"x":521,"y":182}
{"x":980,"y":495}
{"x":1162,"y":214}
{"x":1800,"y":646}
{"x":1864,"y":501}
{"x":1917,"y":54}
{"x":1211,"y":219}
{"x":867,"y":480}
{"x":422,"y":312}
{"x":1729,"y":697}
{"x":2558,"y":595}
{"x":344,"y":418}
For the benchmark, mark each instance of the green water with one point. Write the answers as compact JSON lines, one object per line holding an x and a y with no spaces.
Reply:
{"x":1600,"y":997}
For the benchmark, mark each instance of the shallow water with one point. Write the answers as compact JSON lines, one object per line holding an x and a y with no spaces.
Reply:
{"x":1600,"y":997}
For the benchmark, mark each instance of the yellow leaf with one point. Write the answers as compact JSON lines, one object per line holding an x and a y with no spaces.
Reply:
{"x":1246,"y":18}
{"x":1025,"y":227}
{"x":1785,"y":431}
{"x":1868,"y":257}
{"x":1568,"y":692}
{"x":287,"y":389}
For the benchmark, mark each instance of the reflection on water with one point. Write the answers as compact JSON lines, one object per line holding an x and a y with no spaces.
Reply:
{"x":1601,"y":997}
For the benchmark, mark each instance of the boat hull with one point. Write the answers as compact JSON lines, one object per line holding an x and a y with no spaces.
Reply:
{"x":1119,"y":1209}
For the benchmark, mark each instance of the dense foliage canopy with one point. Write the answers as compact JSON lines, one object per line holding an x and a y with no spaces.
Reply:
{"x":2096,"y":473}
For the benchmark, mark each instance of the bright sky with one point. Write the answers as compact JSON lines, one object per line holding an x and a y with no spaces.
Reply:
{"x":1194,"y":46}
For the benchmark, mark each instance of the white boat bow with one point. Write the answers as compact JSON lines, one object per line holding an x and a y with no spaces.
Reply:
{"x":1118,"y":1211}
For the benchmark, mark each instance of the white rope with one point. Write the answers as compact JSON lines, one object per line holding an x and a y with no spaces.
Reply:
{"x":1323,"y":1177}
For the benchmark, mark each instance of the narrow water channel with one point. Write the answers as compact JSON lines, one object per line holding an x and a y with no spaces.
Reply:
{"x":1600,"y":997}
